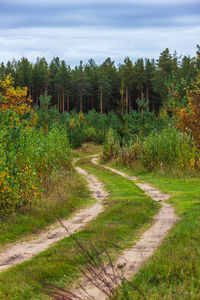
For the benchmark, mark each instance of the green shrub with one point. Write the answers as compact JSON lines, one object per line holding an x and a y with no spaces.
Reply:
{"x":89,"y":134}
{"x":28,"y":156}
{"x":168,"y":147}
{"x":165,"y":148}
{"x":111,"y":146}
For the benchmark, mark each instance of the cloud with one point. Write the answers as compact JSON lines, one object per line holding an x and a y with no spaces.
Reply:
{"x":75,"y":44}
{"x":98,"y":15}
{"x":75,"y":30}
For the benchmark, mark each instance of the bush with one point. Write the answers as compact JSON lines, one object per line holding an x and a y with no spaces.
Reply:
{"x":165,"y":148}
{"x":168,"y":147}
{"x":143,"y":123}
{"x":111,"y":146}
{"x":28,"y":156}
{"x":89,"y":134}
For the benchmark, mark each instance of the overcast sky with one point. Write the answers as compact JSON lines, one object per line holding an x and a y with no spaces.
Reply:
{"x":80,"y":29}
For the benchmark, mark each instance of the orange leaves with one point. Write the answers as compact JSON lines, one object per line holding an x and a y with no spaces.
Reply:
{"x":189,"y":117}
{"x":14,"y":98}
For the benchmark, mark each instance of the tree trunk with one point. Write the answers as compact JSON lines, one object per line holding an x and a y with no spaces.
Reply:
{"x":29,"y":91}
{"x":76,"y":103}
{"x":127,"y":98}
{"x":81,"y":101}
{"x":92,"y":102}
{"x":147,"y":93}
{"x":122,"y":91}
{"x":36,"y":97}
{"x":58,"y":103}
{"x":63,"y":100}
{"x":96,"y":102}
{"x":101,"y":100}
{"x":67,"y":101}
{"x":41,"y":93}
{"x":31,"y":95}
{"x":141,"y":93}
{"x":129,"y":103}
{"x":32,"y":92}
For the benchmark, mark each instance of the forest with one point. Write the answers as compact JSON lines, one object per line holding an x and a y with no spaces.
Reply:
{"x":91,"y":158}
{"x":104,"y":87}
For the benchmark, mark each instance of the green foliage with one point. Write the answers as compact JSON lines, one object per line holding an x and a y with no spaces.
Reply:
{"x":161,"y":148}
{"x":94,"y":127}
{"x":82,"y":87}
{"x":45,"y":101}
{"x":102,"y":124}
{"x":143,"y":104}
{"x":28,"y":156}
{"x":98,"y":121}
{"x":111,"y":146}
{"x":168,"y":147}
{"x":142,"y":124}
{"x":74,"y":128}
{"x":46,"y":115}
{"x":89,"y":134}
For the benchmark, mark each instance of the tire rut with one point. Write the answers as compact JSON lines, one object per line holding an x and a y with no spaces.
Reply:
{"x":134,"y":258}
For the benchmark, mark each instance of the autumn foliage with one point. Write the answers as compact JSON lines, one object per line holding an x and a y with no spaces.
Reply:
{"x":28,"y":155}
{"x":189,"y":117}
{"x":14,"y":98}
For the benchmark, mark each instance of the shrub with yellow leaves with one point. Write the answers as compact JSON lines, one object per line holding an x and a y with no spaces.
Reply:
{"x":14,"y":98}
{"x":28,"y":155}
{"x":189,"y":117}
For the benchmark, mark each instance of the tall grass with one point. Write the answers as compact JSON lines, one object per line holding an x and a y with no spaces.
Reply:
{"x":28,"y":157}
{"x":160,"y":149}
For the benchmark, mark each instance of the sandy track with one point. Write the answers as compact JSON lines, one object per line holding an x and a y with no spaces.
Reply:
{"x":22,"y":251}
{"x":133,"y":259}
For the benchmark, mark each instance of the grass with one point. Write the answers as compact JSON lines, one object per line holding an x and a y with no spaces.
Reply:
{"x":174,"y":270}
{"x":111,"y":230}
{"x":58,"y":201}
{"x":88,"y":149}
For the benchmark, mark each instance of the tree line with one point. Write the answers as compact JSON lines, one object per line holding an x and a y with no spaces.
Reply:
{"x":104,"y":87}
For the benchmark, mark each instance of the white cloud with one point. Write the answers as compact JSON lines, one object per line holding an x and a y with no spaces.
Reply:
{"x":77,"y":44}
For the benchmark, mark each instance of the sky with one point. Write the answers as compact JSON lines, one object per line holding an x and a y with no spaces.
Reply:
{"x":82,"y":29}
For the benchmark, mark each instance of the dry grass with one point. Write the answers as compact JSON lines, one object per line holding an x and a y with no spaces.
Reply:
{"x":88,"y":149}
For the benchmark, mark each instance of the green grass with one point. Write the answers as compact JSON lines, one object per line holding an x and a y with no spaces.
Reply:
{"x":174,"y":270}
{"x":58,"y":201}
{"x":112,"y":230}
{"x":88,"y":149}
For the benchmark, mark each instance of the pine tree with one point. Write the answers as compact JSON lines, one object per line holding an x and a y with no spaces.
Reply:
{"x":62,"y":82}
{"x":53,"y":69}
{"x":127,"y":78}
